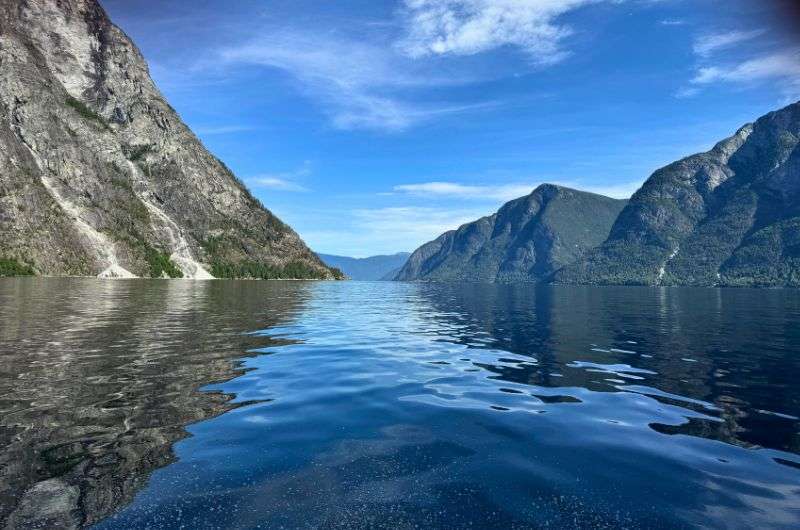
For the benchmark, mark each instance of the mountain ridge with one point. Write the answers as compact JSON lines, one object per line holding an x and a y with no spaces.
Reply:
{"x":726,"y":217}
{"x":371,"y":268}
{"x":527,"y":239}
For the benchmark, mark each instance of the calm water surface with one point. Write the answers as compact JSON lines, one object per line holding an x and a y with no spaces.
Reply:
{"x":177,"y":404}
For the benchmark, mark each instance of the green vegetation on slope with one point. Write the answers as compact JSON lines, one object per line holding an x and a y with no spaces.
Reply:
{"x":85,"y":111}
{"x":295,"y":270}
{"x":136,"y":153}
{"x":160,"y":264}
{"x":768,"y":257}
{"x":12,"y":267}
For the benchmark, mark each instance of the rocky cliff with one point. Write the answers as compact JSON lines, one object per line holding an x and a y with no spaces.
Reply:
{"x":730,"y":216}
{"x":98,"y":175}
{"x":526,"y":240}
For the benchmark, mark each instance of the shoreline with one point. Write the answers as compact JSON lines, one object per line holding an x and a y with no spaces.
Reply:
{"x":178,"y":279}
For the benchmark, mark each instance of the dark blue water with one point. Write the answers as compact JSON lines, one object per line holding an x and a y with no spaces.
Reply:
{"x":369,"y":405}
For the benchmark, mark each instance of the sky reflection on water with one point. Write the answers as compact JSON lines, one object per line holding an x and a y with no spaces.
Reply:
{"x":394,"y":405}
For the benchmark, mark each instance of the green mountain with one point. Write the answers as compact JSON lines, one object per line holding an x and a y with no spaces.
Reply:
{"x":730,"y":216}
{"x":367,"y":269}
{"x":526,"y":240}
{"x":99,"y":175}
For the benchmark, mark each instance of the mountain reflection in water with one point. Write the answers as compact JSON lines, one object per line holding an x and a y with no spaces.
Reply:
{"x":99,"y":378}
{"x":364,"y":405}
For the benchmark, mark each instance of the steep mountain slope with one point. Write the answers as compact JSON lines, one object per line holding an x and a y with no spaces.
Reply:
{"x":730,"y":216}
{"x":526,"y":240}
{"x":392,"y":274}
{"x":367,"y":269}
{"x":99,"y":175}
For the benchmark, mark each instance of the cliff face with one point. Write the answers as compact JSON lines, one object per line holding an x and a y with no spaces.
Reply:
{"x":526,"y":240}
{"x":730,"y":216}
{"x":98,"y":175}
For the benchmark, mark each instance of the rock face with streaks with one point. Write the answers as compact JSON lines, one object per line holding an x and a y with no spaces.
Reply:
{"x":99,"y":176}
{"x":525,"y":241}
{"x":730,"y":216}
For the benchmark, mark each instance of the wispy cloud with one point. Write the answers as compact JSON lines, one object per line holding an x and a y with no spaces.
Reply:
{"x":281,"y":181}
{"x":465,"y":191}
{"x":415,"y":222}
{"x":687,"y":92}
{"x":783,"y":65}
{"x":507,"y":192}
{"x":367,"y":232}
{"x":274,"y":183}
{"x":467,"y":27}
{"x":383,"y":80}
{"x":225,"y":129}
{"x":706,"y":45}
{"x":359,"y":84}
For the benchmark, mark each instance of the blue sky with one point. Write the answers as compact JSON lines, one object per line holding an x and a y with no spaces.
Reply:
{"x":373,"y":126}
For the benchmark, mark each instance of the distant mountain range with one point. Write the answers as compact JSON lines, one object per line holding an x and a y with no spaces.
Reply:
{"x":99,"y":175}
{"x":526,"y":240}
{"x":372,"y":268}
{"x":728,"y":217}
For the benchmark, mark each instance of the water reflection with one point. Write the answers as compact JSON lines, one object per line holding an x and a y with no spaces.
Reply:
{"x":444,"y":406}
{"x":99,"y":379}
{"x":734,"y":354}
{"x":366,"y":405}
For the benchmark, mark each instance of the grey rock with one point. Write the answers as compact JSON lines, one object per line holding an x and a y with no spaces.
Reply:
{"x":48,"y":505}
{"x":98,"y":173}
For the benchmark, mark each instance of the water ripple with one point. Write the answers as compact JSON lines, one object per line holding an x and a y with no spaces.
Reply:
{"x":365,"y":405}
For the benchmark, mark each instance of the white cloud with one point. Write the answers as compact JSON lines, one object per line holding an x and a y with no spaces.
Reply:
{"x":368,"y":79}
{"x":707,"y":45}
{"x":783,"y":65}
{"x":274,"y":183}
{"x":360,"y":84}
{"x":507,"y":192}
{"x":687,"y":92}
{"x":368,"y":232}
{"x":465,"y":191}
{"x":467,"y":27}
{"x":281,"y":181}
{"x":779,"y":66}
{"x":415,"y":222}
{"x":225,"y":129}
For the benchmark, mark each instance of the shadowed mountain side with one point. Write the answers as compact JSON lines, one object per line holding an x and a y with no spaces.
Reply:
{"x":369,"y":269}
{"x":526,"y":240}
